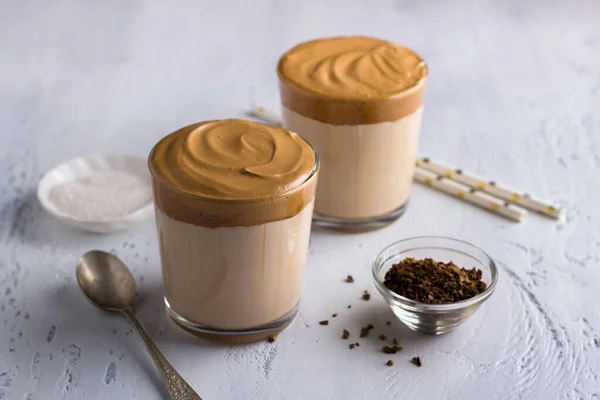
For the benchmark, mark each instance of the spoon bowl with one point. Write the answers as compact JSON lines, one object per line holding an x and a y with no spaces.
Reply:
{"x":105,"y":280}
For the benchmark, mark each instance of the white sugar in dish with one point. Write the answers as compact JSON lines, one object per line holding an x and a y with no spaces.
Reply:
{"x":103,"y":196}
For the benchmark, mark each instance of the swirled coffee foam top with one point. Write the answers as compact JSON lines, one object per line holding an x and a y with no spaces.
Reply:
{"x":352,"y":68}
{"x":232,"y":159}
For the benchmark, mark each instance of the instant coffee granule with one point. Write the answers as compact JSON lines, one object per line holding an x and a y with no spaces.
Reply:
{"x":364,"y":331}
{"x":433,"y":282}
{"x":417,"y":361}
{"x":271,"y":338}
{"x":391,"y":349}
{"x":324,"y":322}
{"x":349,"y":279}
{"x":389,"y":363}
{"x":345,"y":334}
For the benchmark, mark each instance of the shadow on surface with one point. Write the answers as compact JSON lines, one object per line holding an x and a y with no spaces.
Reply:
{"x":31,"y":224}
{"x":84,"y":320}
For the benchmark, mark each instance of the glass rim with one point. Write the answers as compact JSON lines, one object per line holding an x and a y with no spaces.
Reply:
{"x":404,"y":92}
{"x":289,"y":81}
{"x":259,"y":199}
{"x":478,"y":298}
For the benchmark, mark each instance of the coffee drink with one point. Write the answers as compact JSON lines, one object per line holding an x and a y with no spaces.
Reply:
{"x":234,"y":202}
{"x":359,"y":102}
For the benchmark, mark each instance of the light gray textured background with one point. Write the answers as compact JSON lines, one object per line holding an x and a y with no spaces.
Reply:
{"x":514,"y":94}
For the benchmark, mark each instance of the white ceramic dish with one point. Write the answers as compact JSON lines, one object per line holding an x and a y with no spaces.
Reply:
{"x":84,"y":167}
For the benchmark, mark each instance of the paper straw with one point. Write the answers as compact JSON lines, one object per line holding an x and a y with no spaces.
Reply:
{"x":447,"y":186}
{"x":266,"y":115}
{"x":490,"y":187}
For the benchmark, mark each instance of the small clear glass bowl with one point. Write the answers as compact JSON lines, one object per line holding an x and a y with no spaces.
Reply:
{"x":435,"y":319}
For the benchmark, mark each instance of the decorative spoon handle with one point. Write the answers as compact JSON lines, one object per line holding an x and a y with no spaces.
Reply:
{"x":177,"y":387}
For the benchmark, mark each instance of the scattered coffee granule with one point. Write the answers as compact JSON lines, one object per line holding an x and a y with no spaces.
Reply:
{"x":349,"y":306}
{"x":391,"y":349}
{"x":349,"y":279}
{"x":388,"y":323}
{"x":271,"y":338}
{"x":324,"y":322}
{"x":366,"y":296}
{"x":433,"y":282}
{"x":345,"y":334}
{"x":357,"y":344}
{"x":417,"y":361}
{"x":364,"y":331}
{"x":370,"y":326}
{"x":334,"y":315}
{"x":395,"y":341}
{"x":389,"y":363}
{"x":382,"y":337}
{"x":351,"y":346}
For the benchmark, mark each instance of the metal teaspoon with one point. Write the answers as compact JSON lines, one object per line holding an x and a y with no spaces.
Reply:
{"x":108,"y":284}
